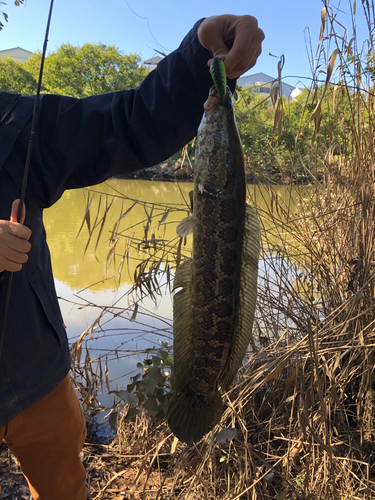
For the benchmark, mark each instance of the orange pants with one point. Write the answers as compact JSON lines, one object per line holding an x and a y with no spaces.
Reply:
{"x":47,"y":439}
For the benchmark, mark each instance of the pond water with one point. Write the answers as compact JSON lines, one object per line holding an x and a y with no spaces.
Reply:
{"x":97,"y":238}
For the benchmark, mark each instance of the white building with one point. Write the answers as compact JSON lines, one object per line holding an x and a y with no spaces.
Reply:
{"x":18,"y":54}
{"x":152,"y":63}
{"x":263,"y":83}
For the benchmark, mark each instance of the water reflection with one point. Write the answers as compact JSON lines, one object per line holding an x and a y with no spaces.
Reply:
{"x":80,"y":267}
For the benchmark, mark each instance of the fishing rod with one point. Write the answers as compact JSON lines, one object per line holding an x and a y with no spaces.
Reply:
{"x":8,"y":289}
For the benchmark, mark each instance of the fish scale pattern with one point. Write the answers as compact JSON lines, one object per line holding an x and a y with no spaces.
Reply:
{"x":214,"y":308}
{"x":219,"y":217}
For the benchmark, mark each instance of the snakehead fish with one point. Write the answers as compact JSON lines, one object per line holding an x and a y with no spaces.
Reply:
{"x":215,"y":290}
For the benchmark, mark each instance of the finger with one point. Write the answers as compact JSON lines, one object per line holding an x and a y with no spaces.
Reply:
{"x":18,"y":257}
{"x":240,"y":68}
{"x":9,"y":265}
{"x":13,"y":239}
{"x":14,"y":235}
{"x":17,"y":246}
{"x":14,"y":212}
{"x":13,"y":254}
{"x":244,"y":52}
{"x":210,"y":36}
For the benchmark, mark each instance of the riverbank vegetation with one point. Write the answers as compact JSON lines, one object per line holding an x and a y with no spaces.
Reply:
{"x":97,"y":68}
{"x":300,"y":416}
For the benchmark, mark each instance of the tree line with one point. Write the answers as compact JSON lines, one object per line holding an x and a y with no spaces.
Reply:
{"x":74,"y":71}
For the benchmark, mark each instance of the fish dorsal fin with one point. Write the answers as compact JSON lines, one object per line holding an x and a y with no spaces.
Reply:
{"x":185,"y":227}
{"x":247,"y":297}
{"x":183,"y":325}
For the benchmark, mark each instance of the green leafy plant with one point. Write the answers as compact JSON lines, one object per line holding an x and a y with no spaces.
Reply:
{"x":149,"y":389}
{"x":15,"y":78}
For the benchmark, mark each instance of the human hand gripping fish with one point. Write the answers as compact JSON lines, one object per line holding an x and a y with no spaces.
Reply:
{"x":236,"y":40}
{"x":214,"y":306}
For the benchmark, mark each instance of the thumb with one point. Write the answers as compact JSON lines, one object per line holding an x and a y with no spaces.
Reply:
{"x":14,"y":212}
{"x":211,"y":37}
{"x":220,"y":50}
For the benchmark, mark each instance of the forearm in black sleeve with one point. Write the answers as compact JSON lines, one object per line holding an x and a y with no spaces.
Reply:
{"x":81,"y":142}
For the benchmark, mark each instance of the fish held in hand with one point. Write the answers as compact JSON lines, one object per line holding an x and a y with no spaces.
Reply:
{"x":214,"y":304}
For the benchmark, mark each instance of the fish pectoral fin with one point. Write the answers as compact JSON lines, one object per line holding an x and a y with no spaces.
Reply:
{"x":185,"y":227}
{"x":209,"y":189}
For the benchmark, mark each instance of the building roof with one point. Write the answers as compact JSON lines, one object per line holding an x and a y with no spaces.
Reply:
{"x":154,"y":60}
{"x":17,"y":48}
{"x":17,"y":53}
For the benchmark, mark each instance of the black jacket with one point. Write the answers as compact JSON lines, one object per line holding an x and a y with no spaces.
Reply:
{"x":80,"y":142}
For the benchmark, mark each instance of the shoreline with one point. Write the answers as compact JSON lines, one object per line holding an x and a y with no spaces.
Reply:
{"x":172,"y":172}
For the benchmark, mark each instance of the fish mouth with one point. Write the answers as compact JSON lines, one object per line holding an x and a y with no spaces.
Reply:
{"x":214,"y":100}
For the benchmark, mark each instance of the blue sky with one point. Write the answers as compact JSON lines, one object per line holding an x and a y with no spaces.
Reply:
{"x":141,"y":26}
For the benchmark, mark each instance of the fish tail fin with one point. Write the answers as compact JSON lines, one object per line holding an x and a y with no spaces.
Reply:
{"x":190,"y":415}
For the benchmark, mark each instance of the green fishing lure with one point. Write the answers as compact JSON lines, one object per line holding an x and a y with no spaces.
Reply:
{"x":219,"y":76}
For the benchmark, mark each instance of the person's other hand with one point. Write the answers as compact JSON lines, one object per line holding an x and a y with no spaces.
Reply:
{"x":236,"y":40}
{"x":14,"y":244}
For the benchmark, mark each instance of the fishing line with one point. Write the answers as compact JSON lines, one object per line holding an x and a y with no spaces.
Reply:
{"x":151,"y":33}
{"x":8,"y":289}
{"x":148,"y":26}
